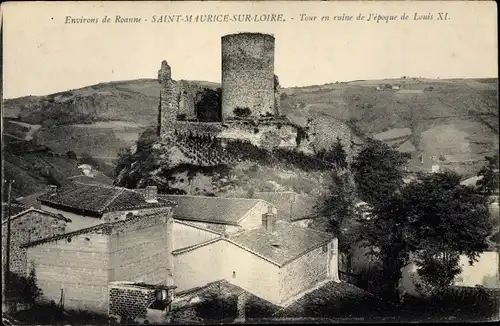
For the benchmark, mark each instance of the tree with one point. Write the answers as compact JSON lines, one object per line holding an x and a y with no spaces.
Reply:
{"x":336,"y":154}
{"x":435,"y":220}
{"x":378,"y":172}
{"x":335,"y":214}
{"x":489,"y":173}
{"x":447,"y":220}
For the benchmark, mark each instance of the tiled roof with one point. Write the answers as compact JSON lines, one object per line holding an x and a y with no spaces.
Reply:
{"x":282,"y":246}
{"x":98,"y":199}
{"x":106,"y":228}
{"x":291,"y":206}
{"x":39,"y":211}
{"x":219,"y":210}
{"x":98,"y":179}
{"x":30,"y":200}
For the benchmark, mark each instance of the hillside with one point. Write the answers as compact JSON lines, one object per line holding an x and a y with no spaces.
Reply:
{"x":456,"y":120}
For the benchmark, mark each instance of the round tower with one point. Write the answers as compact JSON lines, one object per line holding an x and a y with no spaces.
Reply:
{"x":247,"y":74}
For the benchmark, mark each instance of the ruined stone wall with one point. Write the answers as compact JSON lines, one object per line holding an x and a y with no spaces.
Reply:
{"x":31,"y":226}
{"x":248,"y":73}
{"x":277,"y":96}
{"x":168,"y":100}
{"x":129,"y":301}
{"x":257,"y":134}
{"x":189,"y":94}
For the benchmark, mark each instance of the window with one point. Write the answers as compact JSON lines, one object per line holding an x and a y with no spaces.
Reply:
{"x":325,"y":248}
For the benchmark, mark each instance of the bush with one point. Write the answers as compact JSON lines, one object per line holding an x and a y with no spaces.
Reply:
{"x":242,"y":112}
{"x":213,"y":307}
{"x":24,"y":288}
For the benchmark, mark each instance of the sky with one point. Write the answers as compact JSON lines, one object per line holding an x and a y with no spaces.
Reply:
{"x":43,"y":55}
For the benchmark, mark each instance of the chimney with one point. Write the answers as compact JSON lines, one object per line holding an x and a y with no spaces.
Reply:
{"x":269,"y":220}
{"x":151,"y":194}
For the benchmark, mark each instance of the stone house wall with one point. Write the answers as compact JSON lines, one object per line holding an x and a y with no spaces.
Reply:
{"x":140,"y":251}
{"x":303,"y":273}
{"x":77,"y":266}
{"x":82,"y":264}
{"x":129,"y":300}
{"x":31,"y":226}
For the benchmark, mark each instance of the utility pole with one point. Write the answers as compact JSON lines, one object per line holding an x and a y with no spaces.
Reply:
{"x":6,"y":286}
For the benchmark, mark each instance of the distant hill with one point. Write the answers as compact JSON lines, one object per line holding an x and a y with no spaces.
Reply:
{"x":456,"y":120}
{"x":133,"y":101}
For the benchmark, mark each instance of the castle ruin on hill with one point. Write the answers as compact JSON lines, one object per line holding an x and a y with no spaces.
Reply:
{"x":249,"y":100}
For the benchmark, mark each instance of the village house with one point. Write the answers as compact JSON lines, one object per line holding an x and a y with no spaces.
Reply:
{"x":129,"y":239}
{"x":242,"y":241}
{"x":75,"y":268}
{"x":275,"y":261}
{"x":91,"y":204}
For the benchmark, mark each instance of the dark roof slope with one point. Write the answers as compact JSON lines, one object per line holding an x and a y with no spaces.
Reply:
{"x":219,"y":210}
{"x":291,"y":206}
{"x":39,"y":211}
{"x":282,"y":246}
{"x":98,"y":199}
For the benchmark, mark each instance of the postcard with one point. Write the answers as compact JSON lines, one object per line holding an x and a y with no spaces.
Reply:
{"x":199,"y":162}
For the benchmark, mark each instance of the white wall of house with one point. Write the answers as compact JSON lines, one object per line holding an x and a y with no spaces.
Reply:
{"x":483,"y":272}
{"x":78,"y":221}
{"x":185,"y":235}
{"x":224,"y":260}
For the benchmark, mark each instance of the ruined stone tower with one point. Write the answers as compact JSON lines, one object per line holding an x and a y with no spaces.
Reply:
{"x":248,"y":74}
{"x":277,"y":95}
{"x":168,"y":101}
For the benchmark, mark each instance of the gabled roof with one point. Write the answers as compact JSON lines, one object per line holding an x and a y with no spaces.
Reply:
{"x":220,"y":210}
{"x":285,"y":244}
{"x":103,"y":228}
{"x":39,"y":211}
{"x":98,"y":199}
{"x":291,"y":206}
